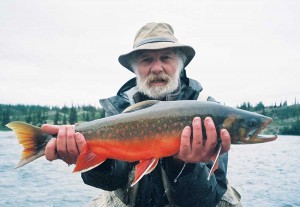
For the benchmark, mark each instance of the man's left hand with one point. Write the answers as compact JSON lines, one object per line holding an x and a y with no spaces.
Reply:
{"x":193,"y":148}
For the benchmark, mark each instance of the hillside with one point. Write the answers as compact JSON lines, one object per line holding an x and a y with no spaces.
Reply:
{"x":286,"y":119}
{"x":38,"y":115}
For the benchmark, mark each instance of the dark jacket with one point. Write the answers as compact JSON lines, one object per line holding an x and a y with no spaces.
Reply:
{"x":190,"y":189}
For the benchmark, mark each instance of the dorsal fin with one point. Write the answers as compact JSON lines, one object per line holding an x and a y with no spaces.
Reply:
{"x":141,"y":105}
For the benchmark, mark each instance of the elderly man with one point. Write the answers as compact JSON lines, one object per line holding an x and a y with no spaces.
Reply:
{"x":159,"y":62}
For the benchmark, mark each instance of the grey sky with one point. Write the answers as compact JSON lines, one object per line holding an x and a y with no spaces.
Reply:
{"x":63,"y":52}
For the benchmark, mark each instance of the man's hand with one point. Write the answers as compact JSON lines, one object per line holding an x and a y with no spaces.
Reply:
{"x":66,"y":146}
{"x":194,"y":149}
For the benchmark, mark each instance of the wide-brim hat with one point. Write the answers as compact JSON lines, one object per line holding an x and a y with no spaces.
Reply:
{"x":156,"y":36}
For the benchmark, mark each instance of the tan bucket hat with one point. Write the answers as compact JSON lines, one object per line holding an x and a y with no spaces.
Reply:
{"x":155,"y":36}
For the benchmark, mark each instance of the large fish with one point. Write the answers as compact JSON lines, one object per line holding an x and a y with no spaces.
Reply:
{"x":145,"y":132}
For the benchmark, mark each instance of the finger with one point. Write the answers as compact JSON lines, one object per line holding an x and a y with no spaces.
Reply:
{"x":211,"y":133}
{"x":185,"y":143}
{"x":50,"y":129}
{"x":71,"y":144}
{"x":197,"y":142}
{"x":226,"y":141}
{"x":80,"y":141}
{"x":61,"y":144}
{"x":50,"y":150}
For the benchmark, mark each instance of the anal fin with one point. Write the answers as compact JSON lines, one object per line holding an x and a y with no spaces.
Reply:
{"x":143,"y":168}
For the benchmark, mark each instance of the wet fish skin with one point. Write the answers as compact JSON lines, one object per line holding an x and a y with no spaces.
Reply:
{"x":164,"y":117}
{"x":145,"y":132}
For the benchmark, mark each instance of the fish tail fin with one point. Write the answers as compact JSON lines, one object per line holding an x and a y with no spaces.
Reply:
{"x":87,"y":160}
{"x":33,"y":140}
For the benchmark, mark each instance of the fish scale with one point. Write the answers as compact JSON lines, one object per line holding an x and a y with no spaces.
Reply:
{"x":146,"y":132}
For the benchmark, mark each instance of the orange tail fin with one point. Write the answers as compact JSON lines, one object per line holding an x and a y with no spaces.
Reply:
{"x":143,"y":168}
{"x":87,"y":160}
{"x":33,"y":140}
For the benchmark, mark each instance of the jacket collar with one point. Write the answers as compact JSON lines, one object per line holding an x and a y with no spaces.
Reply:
{"x":188,"y":89}
{"x":128,"y":94}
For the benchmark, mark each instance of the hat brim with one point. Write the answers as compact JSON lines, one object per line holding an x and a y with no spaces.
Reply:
{"x":187,"y":50}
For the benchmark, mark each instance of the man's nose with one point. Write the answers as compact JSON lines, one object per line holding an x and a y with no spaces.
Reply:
{"x":157,"y":67}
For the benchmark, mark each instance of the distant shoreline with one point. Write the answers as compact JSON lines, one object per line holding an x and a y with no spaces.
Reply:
{"x":286,"y":118}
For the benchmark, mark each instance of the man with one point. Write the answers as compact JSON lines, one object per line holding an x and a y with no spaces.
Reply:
{"x":159,"y":62}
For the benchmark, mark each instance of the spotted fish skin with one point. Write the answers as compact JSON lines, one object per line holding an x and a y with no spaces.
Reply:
{"x":146,"y":132}
{"x":165,"y":118}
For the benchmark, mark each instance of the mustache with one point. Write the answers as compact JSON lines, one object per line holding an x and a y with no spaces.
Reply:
{"x":157,"y":92}
{"x":157,"y":77}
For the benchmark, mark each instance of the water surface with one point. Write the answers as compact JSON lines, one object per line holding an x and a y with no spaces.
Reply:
{"x":264,"y":174}
{"x":267,"y":174}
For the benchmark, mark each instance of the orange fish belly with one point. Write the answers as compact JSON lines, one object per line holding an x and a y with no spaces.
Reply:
{"x":135,"y":149}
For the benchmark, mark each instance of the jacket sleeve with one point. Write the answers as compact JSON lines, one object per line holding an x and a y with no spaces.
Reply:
{"x":110,"y":175}
{"x":192,"y":188}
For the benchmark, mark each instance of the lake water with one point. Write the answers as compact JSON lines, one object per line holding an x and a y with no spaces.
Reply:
{"x":264,"y":174}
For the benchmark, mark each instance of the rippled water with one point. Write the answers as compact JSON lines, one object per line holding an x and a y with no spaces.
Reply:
{"x":40,"y":183}
{"x":264,"y":174}
{"x":267,"y":174}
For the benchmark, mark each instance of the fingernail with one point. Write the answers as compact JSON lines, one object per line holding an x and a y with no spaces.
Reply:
{"x":223,"y":132}
{"x":197,"y":120}
{"x":207,"y":119}
{"x":186,"y":129}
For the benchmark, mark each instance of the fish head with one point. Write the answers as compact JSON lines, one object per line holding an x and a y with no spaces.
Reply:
{"x":244,"y":127}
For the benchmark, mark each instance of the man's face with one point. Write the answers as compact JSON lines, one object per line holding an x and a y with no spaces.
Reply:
{"x":157,"y":72}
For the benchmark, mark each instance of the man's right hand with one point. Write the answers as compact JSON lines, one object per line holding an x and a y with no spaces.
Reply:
{"x":67,"y":146}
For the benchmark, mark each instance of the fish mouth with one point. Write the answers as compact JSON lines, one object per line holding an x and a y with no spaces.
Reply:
{"x":255,"y":137}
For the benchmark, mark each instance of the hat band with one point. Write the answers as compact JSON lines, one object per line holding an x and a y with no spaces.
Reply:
{"x":151,"y":40}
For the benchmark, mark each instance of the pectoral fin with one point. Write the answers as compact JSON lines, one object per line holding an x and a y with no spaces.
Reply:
{"x":143,"y":168}
{"x":216,"y":162}
{"x":87,"y":160}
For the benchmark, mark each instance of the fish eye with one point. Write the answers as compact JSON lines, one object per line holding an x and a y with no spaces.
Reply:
{"x":252,"y":123}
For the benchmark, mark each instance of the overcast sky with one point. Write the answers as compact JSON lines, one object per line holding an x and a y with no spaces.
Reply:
{"x":55,"y":52}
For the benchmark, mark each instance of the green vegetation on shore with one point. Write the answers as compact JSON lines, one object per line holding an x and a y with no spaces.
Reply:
{"x":38,"y":115}
{"x":286,"y":118}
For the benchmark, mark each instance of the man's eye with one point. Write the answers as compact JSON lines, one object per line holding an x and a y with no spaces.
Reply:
{"x":165,"y":57}
{"x":146,"y":60}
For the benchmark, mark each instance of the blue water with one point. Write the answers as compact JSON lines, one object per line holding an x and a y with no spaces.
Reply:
{"x":40,"y":183}
{"x":266,"y":175}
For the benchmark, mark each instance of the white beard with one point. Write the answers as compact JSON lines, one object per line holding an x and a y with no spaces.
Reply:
{"x":158,"y":92}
